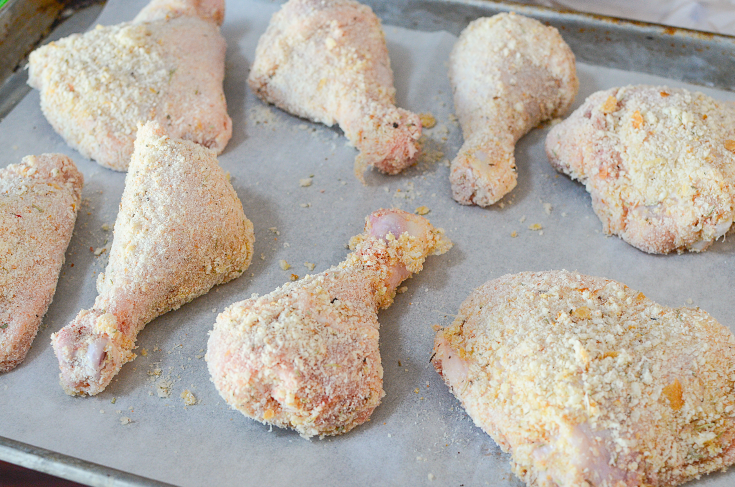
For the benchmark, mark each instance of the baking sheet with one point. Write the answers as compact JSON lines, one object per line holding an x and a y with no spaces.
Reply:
{"x":419,"y":435}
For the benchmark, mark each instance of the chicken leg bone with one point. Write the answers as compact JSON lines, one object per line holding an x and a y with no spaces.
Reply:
{"x":306,"y":355}
{"x":326,"y":60}
{"x":181,"y":230}
{"x":509,"y":73}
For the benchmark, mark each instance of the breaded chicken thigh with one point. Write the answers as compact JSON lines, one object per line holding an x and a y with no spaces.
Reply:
{"x":587,"y":382}
{"x":306,"y":355}
{"x":39,"y":199}
{"x":326,"y":60}
{"x":180,"y":231}
{"x":658,"y":162}
{"x":509,"y":73}
{"x":167,"y":65}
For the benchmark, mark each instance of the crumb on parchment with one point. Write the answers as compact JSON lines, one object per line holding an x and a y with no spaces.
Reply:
{"x":427,"y":120}
{"x":188,"y":397}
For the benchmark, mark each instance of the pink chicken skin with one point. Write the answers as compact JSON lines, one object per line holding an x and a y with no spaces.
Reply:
{"x":180,"y":231}
{"x":326,"y":60}
{"x":167,"y":65}
{"x":586,"y":382}
{"x":509,"y":73}
{"x":39,"y":200}
{"x":306,"y":355}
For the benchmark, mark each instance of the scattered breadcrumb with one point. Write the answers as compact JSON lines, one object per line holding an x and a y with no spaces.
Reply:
{"x":548,"y":208}
{"x":274,"y":230}
{"x":309,"y":265}
{"x":689,"y":301}
{"x":514,"y":234}
{"x":144,"y":352}
{"x":125,"y":420}
{"x":284,"y":265}
{"x":402,"y":289}
{"x":98,"y":251}
{"x":430,"y":150}
{"x":188,"y":397}
{"x":294,"y":277}
{"x":523,"y":219}
{"x":106,"y":227}
{"x":305,"y":182}
{"x":535,"y":227}
{"x":427,"y":120}
{"x":422,"y":210}
{"x":163,"y":388}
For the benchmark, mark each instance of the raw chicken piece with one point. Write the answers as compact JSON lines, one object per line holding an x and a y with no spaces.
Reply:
{"x":39,"y":199}
{"x":658,"y":162}
{"x":306,"y":355}
{"x":326,"y":60}
{"x":509,"y":73}
{"x":180,"y":230}
{"x":167,"y":66}
{"x":588,"y":382}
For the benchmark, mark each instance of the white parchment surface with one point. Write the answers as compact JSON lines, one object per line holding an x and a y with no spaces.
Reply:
{"x":419,"y":435}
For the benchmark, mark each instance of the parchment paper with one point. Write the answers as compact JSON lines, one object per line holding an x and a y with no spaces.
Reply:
{"x":419,"y":435}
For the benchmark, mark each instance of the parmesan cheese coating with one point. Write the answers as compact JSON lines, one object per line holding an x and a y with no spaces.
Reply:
{"x":588,"y":382}
{"x":326,"y":60}
{"x":509,"y":73}
{"x":39,"y":199}
{"x":306,"y":355}
{"x":180,"y":231}
{"x":167,"y":65}
{"x":658,"y":162}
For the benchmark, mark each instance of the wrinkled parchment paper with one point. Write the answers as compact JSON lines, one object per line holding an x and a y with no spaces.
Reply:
{"x":419,"y":435}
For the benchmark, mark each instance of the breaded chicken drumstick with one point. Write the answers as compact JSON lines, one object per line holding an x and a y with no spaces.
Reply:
{"x":167,"y":65}
{"x":306,"y":355}
{"x":180,"y":231}
{"x":587,"y":382}
{"x":326,"y":60}
{"x":509,"y":73}
{"x":39,"y":199}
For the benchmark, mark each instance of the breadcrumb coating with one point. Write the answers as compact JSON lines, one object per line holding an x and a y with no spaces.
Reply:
{"x":509,"y":73}
{"x":39,"y":199}
{"x":327,"y":60}
{"x":588,"y":382}
{"x":180,"y":231}
{"x":306,"y":355}
{"x":658,"y":162}
{"x":167,"y":65}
